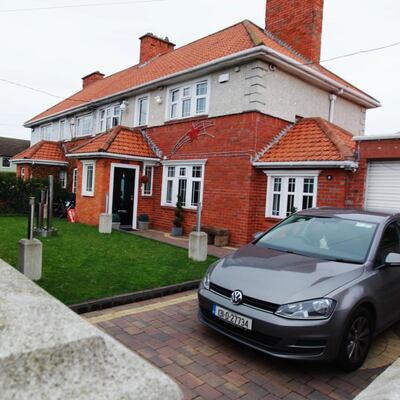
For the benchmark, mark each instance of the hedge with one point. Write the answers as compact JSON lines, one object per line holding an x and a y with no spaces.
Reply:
{"x":15,"y":193}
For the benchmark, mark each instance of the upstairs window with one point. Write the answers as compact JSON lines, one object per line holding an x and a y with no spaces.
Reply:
{"x":142,"y":110}
{"x":84,"y":125}
{"x":62,"y":129}
{"x":6,"y":162}
{"x":189,"y":100}
{"x":290,"y":192}
{"x":184,"y":181}
{"x":46,"y":132}
{"x":109,"y":117}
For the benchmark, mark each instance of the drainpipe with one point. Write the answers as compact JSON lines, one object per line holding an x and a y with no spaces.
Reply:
{"x":332,"y":99}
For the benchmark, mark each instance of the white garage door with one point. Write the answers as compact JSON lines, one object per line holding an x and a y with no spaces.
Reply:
{"x":383,"y":186}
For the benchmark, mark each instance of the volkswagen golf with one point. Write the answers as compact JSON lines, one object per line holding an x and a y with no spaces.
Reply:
{"x":317,"y":286}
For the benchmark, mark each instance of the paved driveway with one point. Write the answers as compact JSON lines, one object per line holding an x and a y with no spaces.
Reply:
{"x":208,"y":366}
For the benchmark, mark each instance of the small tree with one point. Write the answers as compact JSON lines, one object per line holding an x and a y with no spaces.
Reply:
{"x":178,"y":220}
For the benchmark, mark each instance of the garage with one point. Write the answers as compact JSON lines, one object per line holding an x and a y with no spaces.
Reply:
{"x":382,"y":190}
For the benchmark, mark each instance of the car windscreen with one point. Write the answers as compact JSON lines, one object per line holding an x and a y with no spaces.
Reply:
{"x":329,"y":238}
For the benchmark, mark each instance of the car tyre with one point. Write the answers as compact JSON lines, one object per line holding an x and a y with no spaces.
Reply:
{"x":356,"y":340}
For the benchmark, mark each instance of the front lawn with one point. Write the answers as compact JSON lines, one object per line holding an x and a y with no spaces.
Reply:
{"x":81,"y":264}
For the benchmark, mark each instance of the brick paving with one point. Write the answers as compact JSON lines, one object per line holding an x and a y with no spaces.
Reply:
{"x":207,"y":365}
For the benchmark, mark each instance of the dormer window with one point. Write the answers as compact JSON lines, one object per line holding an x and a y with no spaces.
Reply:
{"x":109,"y":117}
{"x":46,"y":132}
{"x":189,"y":100}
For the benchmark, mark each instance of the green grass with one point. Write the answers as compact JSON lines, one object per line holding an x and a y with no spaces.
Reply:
{"x":81,"y":264}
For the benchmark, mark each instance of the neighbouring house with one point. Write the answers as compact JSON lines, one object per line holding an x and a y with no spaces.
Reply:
{"x":9,"y":147}
{"x":245,"y":121}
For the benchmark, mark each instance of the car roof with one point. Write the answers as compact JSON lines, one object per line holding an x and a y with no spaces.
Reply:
{"x":348,"y":213}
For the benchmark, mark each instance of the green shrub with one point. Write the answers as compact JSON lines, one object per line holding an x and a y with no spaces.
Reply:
{"x":178,"y":221}
{"x":15,"y":193}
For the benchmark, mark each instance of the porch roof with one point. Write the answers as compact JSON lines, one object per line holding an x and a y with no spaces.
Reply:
{"x":310,"y":140}
{"x":45,"y":152}
{"x":119,"y":141}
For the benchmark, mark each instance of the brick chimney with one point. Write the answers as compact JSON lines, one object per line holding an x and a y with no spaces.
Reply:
{"x":298,"y":23}
{"x":152,"y":46}
{"x":93,"y":77}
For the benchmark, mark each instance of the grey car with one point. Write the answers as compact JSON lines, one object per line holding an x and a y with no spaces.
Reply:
{"x":317,"y":286}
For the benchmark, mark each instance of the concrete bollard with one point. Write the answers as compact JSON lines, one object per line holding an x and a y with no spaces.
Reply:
{"x":198,"y":246}
{"x":105,"y":223}
{"x":30,"y":258}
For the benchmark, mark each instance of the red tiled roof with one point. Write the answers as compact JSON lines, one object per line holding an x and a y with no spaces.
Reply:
{"x":229,"y":41}
{"x":119,"y":140}
{"x":311,"y":139}
{"x":44,"y":151}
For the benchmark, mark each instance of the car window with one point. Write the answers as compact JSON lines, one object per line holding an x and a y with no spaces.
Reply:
{"x":390,"y":243}
{"x":324,"y":237}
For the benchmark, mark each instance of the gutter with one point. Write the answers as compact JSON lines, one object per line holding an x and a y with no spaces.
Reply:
{"x":262,"y":51}
{"x":42,"y":162}
{"x":111,"y":155}
{"x":348,"y":165}
{"x":376,"y":137}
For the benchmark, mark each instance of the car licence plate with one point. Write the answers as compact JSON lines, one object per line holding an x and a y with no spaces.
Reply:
{"x":232,"y":318}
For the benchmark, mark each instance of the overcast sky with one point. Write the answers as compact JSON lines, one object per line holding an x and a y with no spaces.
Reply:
{"x":52,"y":49}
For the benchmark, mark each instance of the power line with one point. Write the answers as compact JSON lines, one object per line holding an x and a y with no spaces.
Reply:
{"x":41,"y":91}
{"x":114,"y":3}
{"x":357,"y":53}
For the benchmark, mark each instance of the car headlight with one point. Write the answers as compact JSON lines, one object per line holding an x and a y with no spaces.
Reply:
{"x":312,"y":309}
{"x":206,"y":281}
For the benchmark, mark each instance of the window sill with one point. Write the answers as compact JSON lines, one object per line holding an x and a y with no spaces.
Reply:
{"x":187,"y":119}
{"x":88,"y":194}
{"x":168,"y":207}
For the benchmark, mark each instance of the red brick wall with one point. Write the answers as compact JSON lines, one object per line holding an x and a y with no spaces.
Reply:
{"x":298,"y":23}
{"x":151,"y":46}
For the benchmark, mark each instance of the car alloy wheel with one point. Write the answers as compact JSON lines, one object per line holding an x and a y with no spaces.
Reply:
{"x":356,"y":340}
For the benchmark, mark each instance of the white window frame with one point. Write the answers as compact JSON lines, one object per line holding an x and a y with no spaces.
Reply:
{"x":46,"y":132}
{"x":193,"y":97}
{"x":178,"y":165}
{"x":285,"y":175}
{"x":22,"y":173}
{"x":150,"y":180}
{"x":74,"y":180}
{"x":79,"y":132}
{"x":111,"y":108}
{"x":139,"y":121}
{"x":62,"y":132}
{"x":85,"y":165}
{"x":63,"y":178}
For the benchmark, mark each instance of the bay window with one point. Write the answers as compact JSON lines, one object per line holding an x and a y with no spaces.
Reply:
{"x":84,"y":125}
{"x":188,"y":100}
{"x":288,"y":192}
{"x":184,"y":181}
{"x":88,"y":178}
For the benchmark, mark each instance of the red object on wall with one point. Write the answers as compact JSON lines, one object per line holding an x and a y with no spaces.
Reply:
{"x":144,"y":179}
{"x":71,"y":215}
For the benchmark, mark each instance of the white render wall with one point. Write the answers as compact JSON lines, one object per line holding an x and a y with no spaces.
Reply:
{"x":251,"y":87}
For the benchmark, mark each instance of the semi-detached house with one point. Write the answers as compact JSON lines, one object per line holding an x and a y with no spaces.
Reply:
{"x":244,"y":120}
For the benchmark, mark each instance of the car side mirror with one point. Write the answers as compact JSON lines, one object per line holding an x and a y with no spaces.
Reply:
{"x":257,"y":236}
{"x":392,"y":260}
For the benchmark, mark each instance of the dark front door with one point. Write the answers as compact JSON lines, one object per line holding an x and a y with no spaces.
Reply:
{"x":123,"y":194}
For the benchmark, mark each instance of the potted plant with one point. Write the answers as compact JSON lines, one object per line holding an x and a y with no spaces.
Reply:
{"x":143,"y":222}
{"x":116,"y":221}
{"x":177,"y":229}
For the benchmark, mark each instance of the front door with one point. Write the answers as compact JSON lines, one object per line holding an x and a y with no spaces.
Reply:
{"x":123,"y":194}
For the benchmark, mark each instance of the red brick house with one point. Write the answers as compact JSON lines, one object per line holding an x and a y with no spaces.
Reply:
{"x":245,"y":121}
